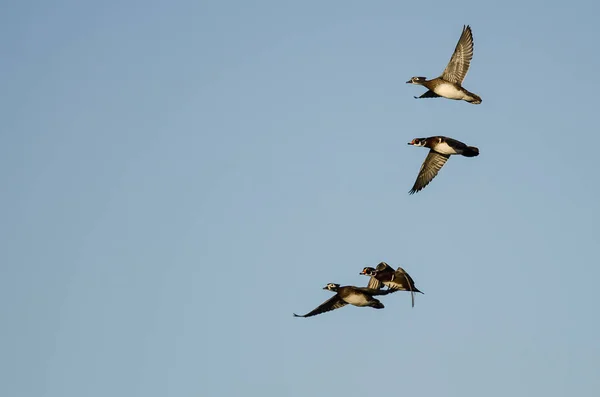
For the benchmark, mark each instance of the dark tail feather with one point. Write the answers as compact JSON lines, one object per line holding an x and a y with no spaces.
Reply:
{"x":476,"y":99}
{"x":377,"y":305}
{"x":471,"y":151}
{"x":410,"y":286}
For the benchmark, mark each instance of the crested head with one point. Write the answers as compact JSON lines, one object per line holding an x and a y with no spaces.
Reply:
{"x":417,"y":80}
{"x":331,"y":287}
{"x":368,"y":271}
{"x":418,"y":142}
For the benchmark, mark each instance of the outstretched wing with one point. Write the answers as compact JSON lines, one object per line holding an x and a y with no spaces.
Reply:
{"x":408,"y":278}
{"x":428,"y":94}
{"x":405,"y":283}
{"x":333,"y":303}
{"x":374,"y":283}
{"x":429,"y":169}
{"x":459,"y":64}
{"x":383,"y":267}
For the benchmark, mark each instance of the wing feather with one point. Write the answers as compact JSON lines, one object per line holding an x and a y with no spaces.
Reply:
{"x":402,"y":281}
{"x":383,"y":267}
{"x":428,"y":94}
{"x":332,"y":303}
{"x":457,"y":68}
{"x":429,"y":169}
{"x":409,"y":283}
{"x":374,"y":283}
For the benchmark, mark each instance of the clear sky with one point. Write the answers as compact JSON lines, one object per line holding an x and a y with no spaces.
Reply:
{"x":179,"y":177}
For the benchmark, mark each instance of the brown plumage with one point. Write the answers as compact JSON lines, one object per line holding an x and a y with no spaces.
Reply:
{"x":441,"y":148}
{"x":356,"y":296}
{"x":449,"y":84}
{"x":395,"y":280}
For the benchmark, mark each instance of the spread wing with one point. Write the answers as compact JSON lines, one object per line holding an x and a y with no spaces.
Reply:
{"x":408,"y":279}
{"x":403,"y":282}
{"x":428,"y":94}
{"x":333,"y":303}
{"x":429,"y":169}
{"x":383,"y":267}
{"x":400,"y":281}
{"x":374,"y":283}
{"x":459,"y":64}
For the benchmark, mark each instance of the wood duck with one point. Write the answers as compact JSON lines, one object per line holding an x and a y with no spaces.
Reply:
{"x":449,"y":84}
{"x":347,"y":295}
{"x":441,"y":148}
{"x":395,"y":280}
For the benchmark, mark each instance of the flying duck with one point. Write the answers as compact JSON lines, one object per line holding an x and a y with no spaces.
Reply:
{"x":449,"y":84}
{"x":347,"y":295}
{"x":395,"y":280}
{"x":441,"y":148}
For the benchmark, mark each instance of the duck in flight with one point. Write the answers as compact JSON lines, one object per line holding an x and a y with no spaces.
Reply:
{"x":449,"y":84}
{"x":440,"y":150}
{"x":356,"y":296}
{"x":395,"y":280}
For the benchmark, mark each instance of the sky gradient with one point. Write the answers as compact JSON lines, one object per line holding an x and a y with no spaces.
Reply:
{"x":180,"y":177}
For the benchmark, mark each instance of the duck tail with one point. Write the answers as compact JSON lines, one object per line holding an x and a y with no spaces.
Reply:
{"x":377,"y":305}
{"x":476,"y":99}
{"x":471,"y":151}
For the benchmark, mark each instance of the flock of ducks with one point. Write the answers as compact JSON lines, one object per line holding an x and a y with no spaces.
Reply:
{"x":448,"y":85}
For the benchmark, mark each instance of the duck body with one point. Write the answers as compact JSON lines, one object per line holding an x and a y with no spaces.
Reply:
{"x":452,"y":91}
{"x":447,"y":146}
{"x":394,"y":280}
{"x":347,"y":295}
{"x":440,"y":150}
{"x":384,"y":274}
{"x":439,"y":87}
{"x":449,"y":84}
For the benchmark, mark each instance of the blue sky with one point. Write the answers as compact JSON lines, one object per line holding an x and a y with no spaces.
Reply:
{"x":179,"y":177}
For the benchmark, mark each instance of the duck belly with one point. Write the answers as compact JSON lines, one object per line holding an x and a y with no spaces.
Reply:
{"x":444,"y":148}
{"x":357,"y":300}
{"x":449,"y":91}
